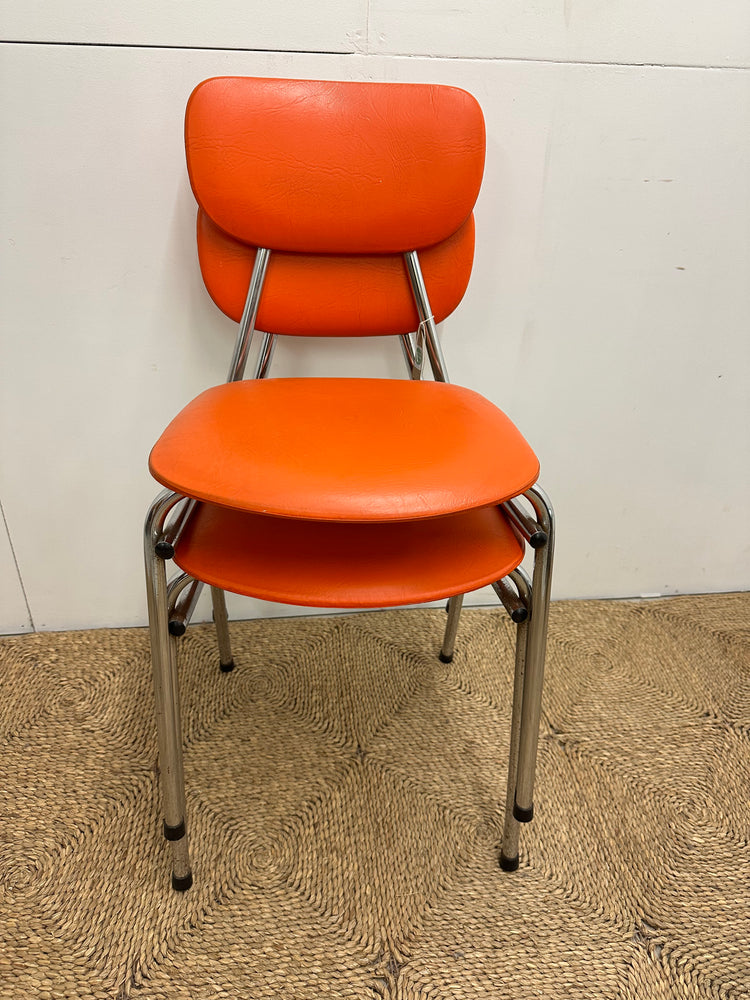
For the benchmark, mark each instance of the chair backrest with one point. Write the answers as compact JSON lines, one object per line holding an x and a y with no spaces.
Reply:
{"x":338,"y":180}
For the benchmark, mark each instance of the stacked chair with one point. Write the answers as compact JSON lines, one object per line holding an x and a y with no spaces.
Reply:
{"x":341,"y":209}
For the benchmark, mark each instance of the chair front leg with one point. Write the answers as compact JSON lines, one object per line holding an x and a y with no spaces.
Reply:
{"x":511,"y":826}
{"x":164,"y":665}
{"x":523,"y":807}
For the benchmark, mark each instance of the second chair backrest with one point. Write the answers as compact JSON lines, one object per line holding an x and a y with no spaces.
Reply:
{"x":338,"y":180}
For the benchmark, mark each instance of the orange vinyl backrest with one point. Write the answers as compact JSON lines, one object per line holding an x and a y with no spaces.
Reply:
{"x":338,"y":179}
{"x":334,"y":168}
{"x":330,"y":295}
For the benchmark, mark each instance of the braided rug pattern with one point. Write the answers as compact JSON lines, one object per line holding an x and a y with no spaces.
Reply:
{"x":344,"y":807}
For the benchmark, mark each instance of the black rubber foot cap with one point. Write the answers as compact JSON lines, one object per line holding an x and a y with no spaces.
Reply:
{"x":226,"y":668}
{"x":445,"y":659}
{"x":174,"y":832}
{"x":523,"y":815}
{"x":509,"y":864}
{"x":182,"y":884}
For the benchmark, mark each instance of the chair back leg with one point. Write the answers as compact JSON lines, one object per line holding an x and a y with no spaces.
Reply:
{"x":451,"y":627}
{"x":166,"y":691}
{"x":523,"y":808}
{"x":511,"y":827}
{"x":221,"y":621}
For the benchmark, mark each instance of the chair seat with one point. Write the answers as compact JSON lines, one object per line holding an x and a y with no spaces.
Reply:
{"x":344,"y":449}
{"x":323,"y":564}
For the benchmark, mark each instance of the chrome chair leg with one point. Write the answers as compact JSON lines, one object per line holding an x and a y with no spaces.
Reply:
{"x":182,"y":873}
{"x":451,"y":628}
{"x":511,"y":826}
{"x":164,"y":664}
{"x":523,"y":806}
{"x":221,"y":621}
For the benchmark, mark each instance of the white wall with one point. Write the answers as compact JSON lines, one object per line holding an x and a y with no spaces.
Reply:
{"x":608,"y":312}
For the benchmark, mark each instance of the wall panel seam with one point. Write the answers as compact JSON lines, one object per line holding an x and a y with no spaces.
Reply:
{"x":172,"y":48}
{"x":562,"y":62}
{"x":434,"y":57}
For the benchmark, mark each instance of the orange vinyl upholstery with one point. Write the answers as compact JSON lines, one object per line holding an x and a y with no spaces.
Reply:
{"x":316,"y":167}
{"x":344,"y":449}
{"x":322,"y":295}
{"x":344,"y":565}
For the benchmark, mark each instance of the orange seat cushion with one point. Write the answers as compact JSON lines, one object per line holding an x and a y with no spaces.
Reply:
{"x":320,"y":564}
{"x":344,"y":449}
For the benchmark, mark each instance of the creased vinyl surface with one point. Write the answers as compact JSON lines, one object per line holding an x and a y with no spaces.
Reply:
{"x":344,"y":807}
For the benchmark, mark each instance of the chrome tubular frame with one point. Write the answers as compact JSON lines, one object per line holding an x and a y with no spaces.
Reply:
{"x":426,"y":319}
{"x":173,"y":529}
{"x":182,"y":596}
{"x":530,"y":530}
{"x":249,"y":315}
{"x":236,"y":374}
{"x":440,"y":373}
{"x":175,"y":587}
{"x":514,"y":606}
{"x":536,"y":646}
{"x":263,"y":363}
{"x":171,"y":605}
{"x":221,"y":621}
{"x":408,"y":348}
{"x":449,"y":639}
{"x":166,"y":690}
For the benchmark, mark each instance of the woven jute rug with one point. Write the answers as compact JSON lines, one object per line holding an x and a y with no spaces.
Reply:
{"x":344,"y":791}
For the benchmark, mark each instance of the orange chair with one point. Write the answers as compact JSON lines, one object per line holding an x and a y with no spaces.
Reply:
{"x":341,"y":209}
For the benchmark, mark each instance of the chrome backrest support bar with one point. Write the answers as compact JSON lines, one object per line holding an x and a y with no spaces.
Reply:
{"x":426,"y":319}
{"x":408,"y":349}
{"x":427,"y":328}
{"x":249,"y":314}
{"x":535,"y":653}
{"x":265,"y":356}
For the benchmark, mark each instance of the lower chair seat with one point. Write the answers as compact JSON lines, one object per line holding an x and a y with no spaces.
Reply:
{"x":344,"y":449}
{"x":323,"y":564}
